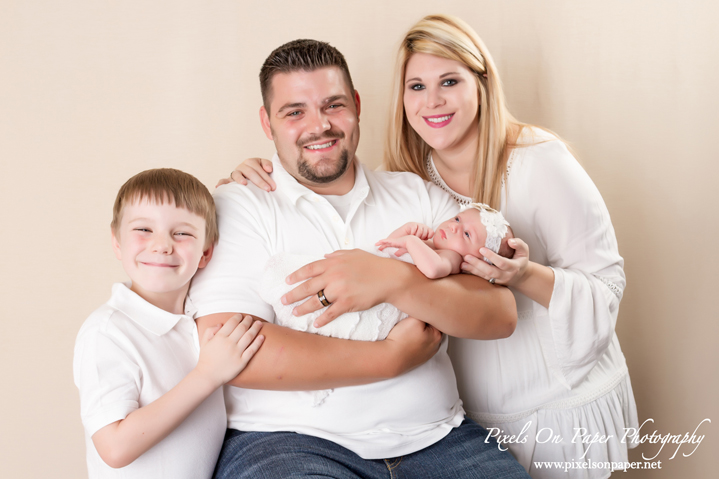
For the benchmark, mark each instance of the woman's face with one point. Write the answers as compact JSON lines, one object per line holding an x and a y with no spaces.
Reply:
{"x":441,"y":101}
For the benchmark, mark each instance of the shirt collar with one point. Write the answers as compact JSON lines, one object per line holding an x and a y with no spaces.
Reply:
{"x":292,"y":188}
{"x":150,"y":317}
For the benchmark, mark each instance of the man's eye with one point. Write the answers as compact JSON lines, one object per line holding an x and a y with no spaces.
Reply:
{"x":293,"y":113}
{"x":417,"y":87}
{"x":334,"y":106}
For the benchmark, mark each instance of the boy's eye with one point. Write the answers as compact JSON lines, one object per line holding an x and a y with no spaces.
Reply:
{"x":143,"y":230}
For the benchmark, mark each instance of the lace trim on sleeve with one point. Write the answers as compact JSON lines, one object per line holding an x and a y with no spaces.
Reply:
{"x":612,"y":287}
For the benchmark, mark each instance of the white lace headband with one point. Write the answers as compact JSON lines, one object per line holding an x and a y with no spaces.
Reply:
{"x":494,"y":223}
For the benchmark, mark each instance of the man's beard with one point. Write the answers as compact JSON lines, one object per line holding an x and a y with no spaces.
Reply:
{"x":329,"y":173}
{"x":311,"y":173}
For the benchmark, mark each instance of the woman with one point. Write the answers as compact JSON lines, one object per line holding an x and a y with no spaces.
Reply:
{"x":558,"y":389}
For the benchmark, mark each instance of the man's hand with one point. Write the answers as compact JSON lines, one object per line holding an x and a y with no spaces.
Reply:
{"x":414,"y":342}
{"x":352,"y":280}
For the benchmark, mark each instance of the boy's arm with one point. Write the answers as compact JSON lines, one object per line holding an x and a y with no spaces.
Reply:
{"x":222,"y":357}
{"x":295,"y":361}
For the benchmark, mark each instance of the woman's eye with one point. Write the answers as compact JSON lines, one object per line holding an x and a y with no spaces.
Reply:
{"x":417,"y":87}
{"x":449,"y":82}
{"x":143,"y":230}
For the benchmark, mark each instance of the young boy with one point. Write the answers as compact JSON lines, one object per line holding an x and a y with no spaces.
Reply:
{"x":150,"y":395}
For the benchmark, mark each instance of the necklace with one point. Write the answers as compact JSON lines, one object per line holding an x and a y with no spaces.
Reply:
{"x":437,"y":180}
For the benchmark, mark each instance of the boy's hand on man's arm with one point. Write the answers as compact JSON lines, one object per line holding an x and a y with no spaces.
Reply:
{"x":226,"y":349}
{"x":291,"y":360}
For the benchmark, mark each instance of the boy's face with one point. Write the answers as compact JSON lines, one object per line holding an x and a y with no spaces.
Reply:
{"x":161,"y":247}
{"x":464,"y":234}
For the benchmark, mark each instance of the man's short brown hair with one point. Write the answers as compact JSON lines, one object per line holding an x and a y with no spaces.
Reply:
{"x":300,"y":55}
{"x":167,"y":185}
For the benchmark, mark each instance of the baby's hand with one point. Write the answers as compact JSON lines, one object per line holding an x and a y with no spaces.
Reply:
{"x":257,"y":170}
{"x":400,"y":243}
{"x":419,"y":230}
{"x":504,"y":270}
{"x":226,"y":350}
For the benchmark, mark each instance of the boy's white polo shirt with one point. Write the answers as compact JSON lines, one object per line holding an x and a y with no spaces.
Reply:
{"x":385,"y":419}
{"x":129,"y":353}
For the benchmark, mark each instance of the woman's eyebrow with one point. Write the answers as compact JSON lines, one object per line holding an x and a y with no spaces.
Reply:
{"x":448,"y":74}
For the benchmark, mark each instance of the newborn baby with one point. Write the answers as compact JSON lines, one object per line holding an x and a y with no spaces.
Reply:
{"x":436,"y":254}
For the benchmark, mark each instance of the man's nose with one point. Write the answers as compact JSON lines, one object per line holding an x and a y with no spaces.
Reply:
{"x":318,"y":123}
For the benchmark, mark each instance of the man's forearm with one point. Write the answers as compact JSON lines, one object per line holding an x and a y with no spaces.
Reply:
{"x":295,"y":361}
{"x":459,"y":305}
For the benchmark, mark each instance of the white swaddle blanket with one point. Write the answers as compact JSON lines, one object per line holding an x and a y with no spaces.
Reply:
{"x":371,"y":325}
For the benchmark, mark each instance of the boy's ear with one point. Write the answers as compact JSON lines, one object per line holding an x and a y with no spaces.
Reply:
{"x":206,"y":256}
{"x":116,"y":245}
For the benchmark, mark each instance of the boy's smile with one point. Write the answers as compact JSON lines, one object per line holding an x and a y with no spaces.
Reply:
{"x":161,"y":247}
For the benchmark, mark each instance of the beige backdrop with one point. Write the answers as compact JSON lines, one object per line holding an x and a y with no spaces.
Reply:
{"x":94,"y":92}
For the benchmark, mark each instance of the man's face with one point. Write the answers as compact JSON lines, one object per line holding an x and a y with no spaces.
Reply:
{"x":314,"y":122}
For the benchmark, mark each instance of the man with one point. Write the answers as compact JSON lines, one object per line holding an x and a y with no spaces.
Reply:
{"x":412,"y":423}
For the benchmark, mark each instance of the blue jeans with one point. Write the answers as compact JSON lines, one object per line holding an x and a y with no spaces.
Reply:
{"x":274,"y":455}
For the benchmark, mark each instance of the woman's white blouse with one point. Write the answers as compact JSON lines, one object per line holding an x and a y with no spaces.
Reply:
{"x":562,"y":372}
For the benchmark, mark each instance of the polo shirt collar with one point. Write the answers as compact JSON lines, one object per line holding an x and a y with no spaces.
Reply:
{"x":292,"y":188}
{"x":156,"y":320}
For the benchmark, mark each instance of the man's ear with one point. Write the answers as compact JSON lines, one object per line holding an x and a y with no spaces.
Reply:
{"x":265,"y":121}
{"x":116,"y":245}
{"x":357,"y":104}
{"x":206,"y":257}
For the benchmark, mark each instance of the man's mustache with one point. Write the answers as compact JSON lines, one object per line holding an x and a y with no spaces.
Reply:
{"x":328,"y":135}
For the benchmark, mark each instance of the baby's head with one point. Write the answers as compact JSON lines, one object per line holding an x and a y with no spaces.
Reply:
{"x":475,"y":227}
{"x":164,"y":227}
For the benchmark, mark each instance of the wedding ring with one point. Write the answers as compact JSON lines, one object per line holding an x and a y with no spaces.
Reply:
{"x":323,"y":300}
{"x":491,"y":280}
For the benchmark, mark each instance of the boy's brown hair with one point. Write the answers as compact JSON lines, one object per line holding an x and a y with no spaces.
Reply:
{"x":300,"y":55}
{"x":167,"y":185}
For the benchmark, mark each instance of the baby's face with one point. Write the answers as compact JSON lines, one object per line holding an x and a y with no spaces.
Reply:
{"x":464,"y":234}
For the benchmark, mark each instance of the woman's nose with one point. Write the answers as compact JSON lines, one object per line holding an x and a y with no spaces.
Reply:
{"x":434,"y":98}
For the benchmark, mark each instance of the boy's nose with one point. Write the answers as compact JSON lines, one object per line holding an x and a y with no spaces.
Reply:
{"x":162,"y":245}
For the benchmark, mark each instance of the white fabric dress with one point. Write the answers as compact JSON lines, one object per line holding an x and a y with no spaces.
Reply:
{"x":562,"y":372}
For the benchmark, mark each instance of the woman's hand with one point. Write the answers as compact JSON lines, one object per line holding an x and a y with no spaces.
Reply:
{"x":352,"y":280}
{"x":505,"y":271}
{"x":534,"y":280}
{"x":256,"y":170}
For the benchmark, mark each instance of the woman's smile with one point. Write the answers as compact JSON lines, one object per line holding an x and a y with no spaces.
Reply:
{"x":438,"y":121}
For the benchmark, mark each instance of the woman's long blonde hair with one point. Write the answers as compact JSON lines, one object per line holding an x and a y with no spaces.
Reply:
{"x":449,"y":37}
